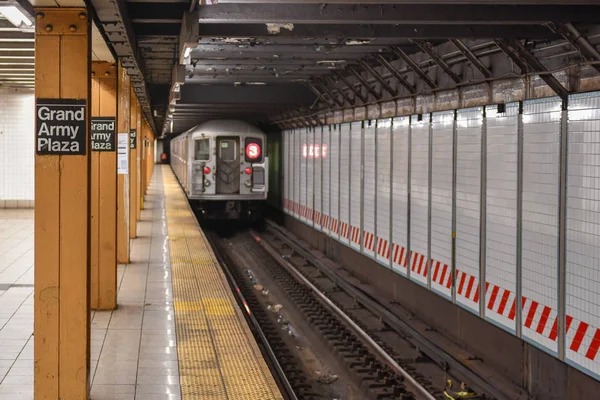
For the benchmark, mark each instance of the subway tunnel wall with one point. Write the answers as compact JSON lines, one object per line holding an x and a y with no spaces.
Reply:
{"x":467,"y":204}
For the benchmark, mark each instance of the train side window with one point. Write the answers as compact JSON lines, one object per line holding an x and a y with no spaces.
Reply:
{"x":202,"y":149}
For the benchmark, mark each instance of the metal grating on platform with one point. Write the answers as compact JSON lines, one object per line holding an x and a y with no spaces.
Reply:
{"x":218,"y":356}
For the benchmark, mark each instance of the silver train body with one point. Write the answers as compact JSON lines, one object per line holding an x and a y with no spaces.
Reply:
{"x":222,"y":166}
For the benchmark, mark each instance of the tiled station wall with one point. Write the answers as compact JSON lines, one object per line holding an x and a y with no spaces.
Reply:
{"x":16,"y":148}
{"x":483,"y":184}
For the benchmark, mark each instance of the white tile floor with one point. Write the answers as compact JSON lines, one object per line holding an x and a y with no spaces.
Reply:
{"x":133,"y":349}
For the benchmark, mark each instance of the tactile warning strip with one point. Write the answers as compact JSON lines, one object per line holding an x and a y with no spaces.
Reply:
{"x":218,"y":356}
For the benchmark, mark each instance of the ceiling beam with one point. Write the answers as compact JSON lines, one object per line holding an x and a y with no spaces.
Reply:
{"x":579,"y":41}
{"x":389,"y":13}
{"x":356,"y":91}
{"x":528,"y":63}
{"x":283,"y":94}
{"x":472,"y":57}
{"x":411,"y":89}
{"x":371,"y":71}
{"x":339,"y":89}
{"x":428,"y":49}
{"x":411,"y":31}
{"x":364,"y":83}
{"x":323,"y":85}
{"x":320,"y":95}
{"x":413,"y":66}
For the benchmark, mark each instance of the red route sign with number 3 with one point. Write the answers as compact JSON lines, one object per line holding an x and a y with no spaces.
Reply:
{"x":253,"y":150}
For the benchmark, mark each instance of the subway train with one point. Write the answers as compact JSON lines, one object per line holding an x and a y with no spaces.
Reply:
{"x":222,"y":166}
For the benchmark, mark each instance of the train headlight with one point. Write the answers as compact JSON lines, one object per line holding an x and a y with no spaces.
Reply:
{"x":206,"y":183}
{"x":248,"y":183}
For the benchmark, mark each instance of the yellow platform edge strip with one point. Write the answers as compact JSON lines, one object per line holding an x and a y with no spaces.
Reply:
{"x":218,"y":355}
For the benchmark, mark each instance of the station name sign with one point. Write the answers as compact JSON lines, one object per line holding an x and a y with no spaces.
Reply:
{"x":103,"y":134}
{"x":60,"y":127}
{"x":133,"y":138}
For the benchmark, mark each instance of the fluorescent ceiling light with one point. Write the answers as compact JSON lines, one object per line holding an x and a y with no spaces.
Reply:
{"x":15,"y":16}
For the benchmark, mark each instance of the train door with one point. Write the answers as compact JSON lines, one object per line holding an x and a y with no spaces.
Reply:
{"x":228,"y":165}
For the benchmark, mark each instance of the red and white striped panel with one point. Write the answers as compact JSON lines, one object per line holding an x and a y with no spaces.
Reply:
{"x":369,"y":241}
{"x":399,"y":254}
{"x":383,"y":248}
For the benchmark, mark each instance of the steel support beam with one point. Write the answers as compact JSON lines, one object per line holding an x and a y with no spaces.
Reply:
{"x":570,"y":33}
{"x":411,"y":89}
{"x":409,"y":31}
{"x":528,"y":63}
{"x":427,"y":47}
{"x":472,"y":57}
{"x":356,"y":92}
{"x":394,"y":14}
{"x":413,"y":66}
{"x":316,"y":91}
{"x":339,"y":89}
{"x":330,"y":94}
{"x":364,"y":82}
{"x":371,"y":71}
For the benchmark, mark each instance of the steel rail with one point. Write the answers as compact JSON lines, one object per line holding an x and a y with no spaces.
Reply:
{"x":432,"y":350}
{"x":289,"y":391}
{"x":344,"y":317}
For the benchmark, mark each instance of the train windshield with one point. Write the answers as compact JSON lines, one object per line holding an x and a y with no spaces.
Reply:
{"x":202,"y":149}
{"x":227,"y":150}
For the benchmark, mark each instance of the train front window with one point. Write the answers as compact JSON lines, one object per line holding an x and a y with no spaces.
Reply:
{"x":227,"y":151}
{"x":202,"y":150}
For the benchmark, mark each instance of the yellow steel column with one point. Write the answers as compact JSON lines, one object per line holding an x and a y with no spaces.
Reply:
{"x":123,"y":105}
{"x":143,"y":164}
{"x":62,"y":189}
{"x":133,"y":151}
{"x":104,"y":188}
{"x":140,"y":147}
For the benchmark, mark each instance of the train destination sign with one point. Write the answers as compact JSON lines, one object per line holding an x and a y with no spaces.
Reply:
{"x":60,"y":127}
{"x":103,"y":134}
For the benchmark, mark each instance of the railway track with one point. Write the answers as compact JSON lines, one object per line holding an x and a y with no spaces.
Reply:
{"x":382,"y":359}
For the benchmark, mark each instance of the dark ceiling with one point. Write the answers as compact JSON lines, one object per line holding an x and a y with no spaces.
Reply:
{"x":255,"y":59}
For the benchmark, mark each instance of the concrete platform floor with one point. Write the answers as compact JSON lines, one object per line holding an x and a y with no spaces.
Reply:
{"x":133,"y":349}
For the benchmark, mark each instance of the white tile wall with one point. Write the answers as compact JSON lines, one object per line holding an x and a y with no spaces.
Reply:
{"x":345,"y":184}
{"x":468,"y":185}
{"x":401,"y":131}
{"x":441,"y":201}
{"x":310,"y":170}
{"x":419,"y":199}
{"x":318,"y":179}
{"x":286,"y":170}
{"x":303,"y":173}
{"x":17,"y":150}
{"x":383,"y":179}
{"x":326,"y":179}
{"x":583,"y":231}
{"x":369,"y":188}
{"x":541,"y":158}
{"x":501,"y":213}
{"x":334,"y":155}
{"x":355,"y":188}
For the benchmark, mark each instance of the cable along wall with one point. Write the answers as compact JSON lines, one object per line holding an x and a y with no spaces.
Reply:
{"x":483,"y":182}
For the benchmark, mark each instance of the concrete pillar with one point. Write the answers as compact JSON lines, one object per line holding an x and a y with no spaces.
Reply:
{"x":133,"y":152}
{"x":104,"y":189}
{"x":123,"y":115}
{"x":62,"y":190}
